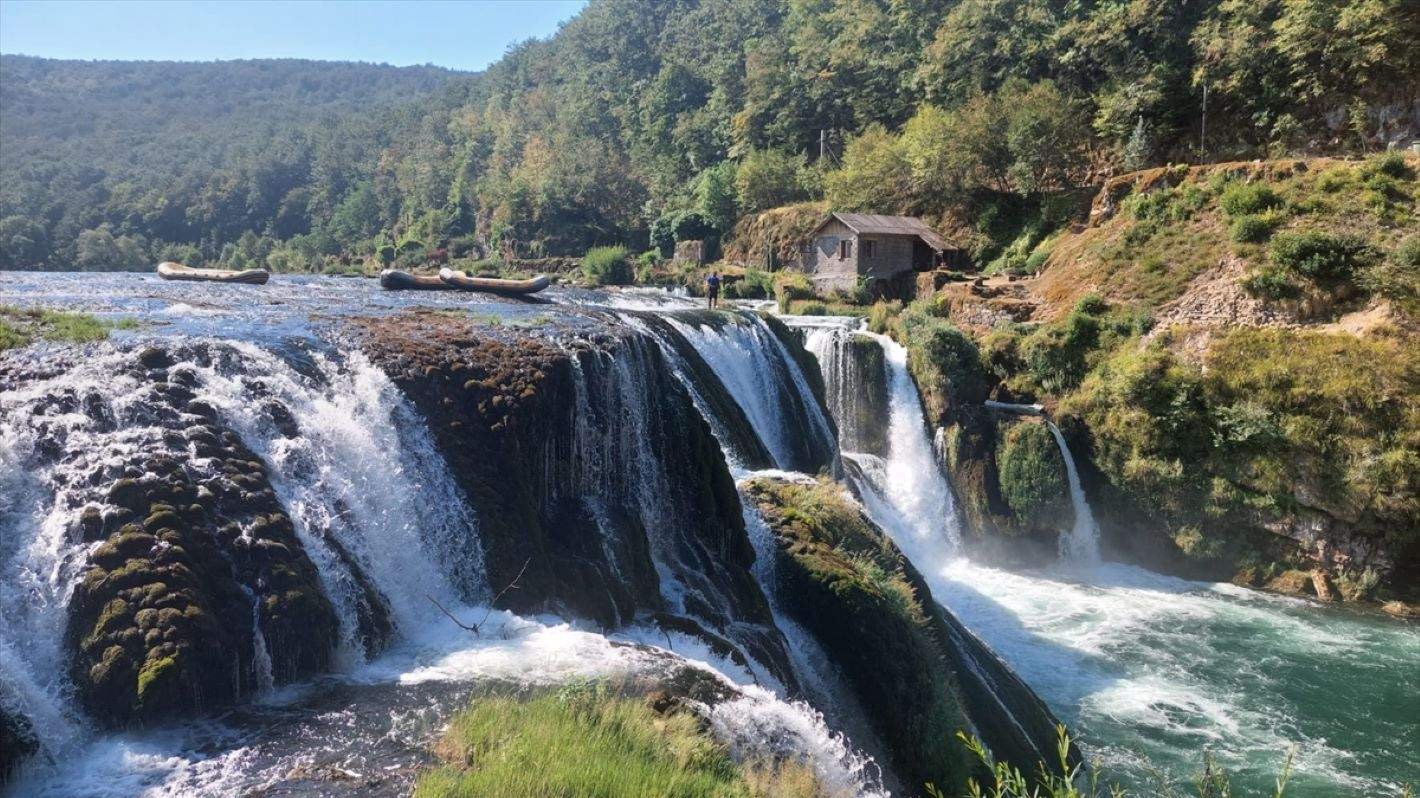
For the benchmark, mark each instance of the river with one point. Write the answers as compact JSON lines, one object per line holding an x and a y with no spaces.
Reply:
{"x":1149,"y":671}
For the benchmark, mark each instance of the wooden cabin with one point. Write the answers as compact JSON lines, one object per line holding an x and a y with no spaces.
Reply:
{"x":884,"y":251}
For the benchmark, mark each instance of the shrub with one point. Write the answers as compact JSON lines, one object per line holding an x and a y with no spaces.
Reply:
{"x":756,"y":284}
{"x":1408,"y":253}
{"x":881,"y":315}
{"x":1320,"y":255}
{"x":792,"y":285}
{"x":1092,"y":304}
{"x":1398,"y":277}
{"x":1334,"y":179}
{"x":607,"y":266}
{"x":1056,"y":356}
{"x":1390,"y":164}
{"x":1253,"y":228}
{"x":1244,"y":198}
{"x":1273,"y":284}
{"x":1032,"y":475}
{"x":942,"y":358}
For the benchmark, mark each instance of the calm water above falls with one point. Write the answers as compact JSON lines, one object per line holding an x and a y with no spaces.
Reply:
{"x":1151,"y":670}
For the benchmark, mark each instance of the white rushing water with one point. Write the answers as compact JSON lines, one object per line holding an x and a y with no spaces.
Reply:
{"x":761,"y":376}
{"x":353,"y":460}
{"x":361,"y":469}
{"x":1150,"y":670}
{"x":1082,"y":543}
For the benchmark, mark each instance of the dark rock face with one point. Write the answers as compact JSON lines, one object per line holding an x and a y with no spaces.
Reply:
{"x":719,"y":404}
{"x":591,"y":472}
{"x":856,"y":391}
{"x":17,"y":744}
{"x":922,"y":674}
{"x":194,"y":554}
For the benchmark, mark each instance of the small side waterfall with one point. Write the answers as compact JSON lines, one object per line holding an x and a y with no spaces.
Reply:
{"x":1081,"y":544}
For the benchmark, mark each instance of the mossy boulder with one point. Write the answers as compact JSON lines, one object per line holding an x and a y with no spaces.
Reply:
{"x":844,"y":582}
{"x":1033,"y":480}
{"x":908,"y":659}
{"x":194,"y":555}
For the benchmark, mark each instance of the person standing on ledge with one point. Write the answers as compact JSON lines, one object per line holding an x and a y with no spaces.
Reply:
{"x":712,"y":289}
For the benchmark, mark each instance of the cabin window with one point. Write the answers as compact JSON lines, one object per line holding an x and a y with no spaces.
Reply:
{"x":845,"y":248}
{"x":868,"y":248}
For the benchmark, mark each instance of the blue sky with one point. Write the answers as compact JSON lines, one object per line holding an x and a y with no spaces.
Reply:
{"x":459,"y":35}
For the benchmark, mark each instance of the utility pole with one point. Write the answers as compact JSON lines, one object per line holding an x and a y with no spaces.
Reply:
{"x":1203,"y":128}
{"x":822,"y":143}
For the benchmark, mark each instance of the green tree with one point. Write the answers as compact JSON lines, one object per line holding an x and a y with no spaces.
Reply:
{"x":769,"y":178}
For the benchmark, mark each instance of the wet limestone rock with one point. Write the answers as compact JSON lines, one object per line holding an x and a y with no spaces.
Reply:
{"x":17,"y":744}
{"x":576,"y":445}
{"x":845,"y":585}
{"x":194,"y":554}
{"x":922,"y":673}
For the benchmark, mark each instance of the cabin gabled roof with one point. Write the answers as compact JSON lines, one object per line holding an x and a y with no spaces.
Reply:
{"x":861,"y":223}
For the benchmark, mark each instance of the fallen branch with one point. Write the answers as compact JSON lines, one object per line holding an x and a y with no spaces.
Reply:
{"x":478,"y":626}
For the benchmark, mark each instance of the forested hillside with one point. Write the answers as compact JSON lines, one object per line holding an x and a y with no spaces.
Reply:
{"x":643,"y":122}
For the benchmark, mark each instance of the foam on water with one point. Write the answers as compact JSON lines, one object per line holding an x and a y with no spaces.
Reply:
{"x":759,"y":373}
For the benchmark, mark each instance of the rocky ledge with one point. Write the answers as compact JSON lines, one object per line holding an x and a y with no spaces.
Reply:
{"x":196,"y":589}
{"x":923,"y":674}
{"x":599,"y":488}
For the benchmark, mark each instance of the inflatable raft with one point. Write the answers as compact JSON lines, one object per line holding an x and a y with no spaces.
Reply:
{"x":396,"y":280}
{"x":494,"y":285}
{"x":452,"y":280}
{"x":176,"y":271}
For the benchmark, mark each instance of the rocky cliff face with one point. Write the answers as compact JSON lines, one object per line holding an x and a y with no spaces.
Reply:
{"x":591,"y":472}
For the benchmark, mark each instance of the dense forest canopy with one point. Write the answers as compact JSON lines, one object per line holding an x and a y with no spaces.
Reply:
{"x":642,"y":122}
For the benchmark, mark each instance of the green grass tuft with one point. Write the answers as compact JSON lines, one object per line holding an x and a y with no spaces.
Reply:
{"x":590,"y":741}
{"x":23,"y":326}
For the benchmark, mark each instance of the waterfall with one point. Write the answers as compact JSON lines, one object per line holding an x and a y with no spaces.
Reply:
{"x":917,"y":506}
{"x":855,"y":382}
{"x":77,"y":409}
{"x":261,"y":659}
{"x":1081,"y":544}
{"x":353,"y":465}
{"x":757,"y":370}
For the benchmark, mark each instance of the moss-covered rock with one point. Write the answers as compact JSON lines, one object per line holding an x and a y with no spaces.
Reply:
{"x":845,"y":584}
{"x":916,"y":668}
{"x":1033,"y":481}
{"x":194,"y":555}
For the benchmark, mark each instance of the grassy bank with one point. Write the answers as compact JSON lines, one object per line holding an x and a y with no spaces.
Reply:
{"x":592,"y":741}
